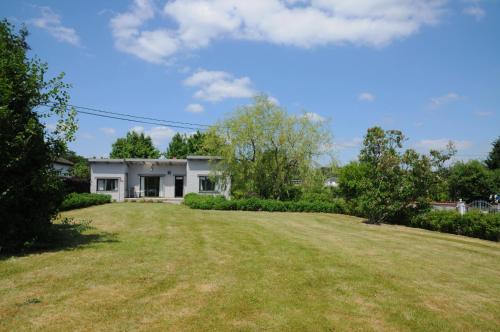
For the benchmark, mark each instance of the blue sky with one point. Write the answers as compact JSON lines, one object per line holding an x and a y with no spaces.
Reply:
{"x":430,"y":68}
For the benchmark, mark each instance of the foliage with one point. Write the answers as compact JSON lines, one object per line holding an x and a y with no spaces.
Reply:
{"x":80,"y":200}
{"x":265,"y":150}
{"x":81,"y":167}
{"x":475,"y":224}
{"x":207,"y":202}
{"x":134,"y":145}
{"x":471,"y":181}
{"x":183,"y":145}
{"x":493,"y":160}
{"x":390,"y":184}
{"x":30,"y":191}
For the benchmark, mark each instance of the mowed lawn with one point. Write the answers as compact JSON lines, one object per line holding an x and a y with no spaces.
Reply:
{"x":166,"y":267}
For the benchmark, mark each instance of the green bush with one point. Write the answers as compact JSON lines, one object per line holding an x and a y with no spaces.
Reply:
{"x":474,"y":224}
{"x":80,"y":200}
{"x":204,"y":202}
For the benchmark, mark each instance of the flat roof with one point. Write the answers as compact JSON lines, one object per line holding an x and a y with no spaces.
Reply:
{"x":138,"y":160}
{"x":145,"y":160}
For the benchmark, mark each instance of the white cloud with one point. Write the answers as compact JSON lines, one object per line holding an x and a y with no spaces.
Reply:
{"x":441,"y":143}
{"x":274,"y":100}
{"x":51,"y":22}
{"x":194,"y":108}
{"x":137,"y":129}
{"x":473,"y":9}
{"x":314,"y":117}
{"x":160,"y":135}
{"x":437,"y":102}
{"x":108,"y":131}
{"x":483,"y":113}
{"x":194,"y":24}
{"x":366,"y":96}
{"x":344,"y":144}
{"x":151,"y":45}
{"x":218,"y":85}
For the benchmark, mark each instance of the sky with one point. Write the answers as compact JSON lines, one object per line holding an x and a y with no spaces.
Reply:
{"x":430,"y":68}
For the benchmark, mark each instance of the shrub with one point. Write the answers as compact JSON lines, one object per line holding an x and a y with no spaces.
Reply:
{"x":204,"y":202}
{"x":80,"y":200}
{"x":474,"y":224}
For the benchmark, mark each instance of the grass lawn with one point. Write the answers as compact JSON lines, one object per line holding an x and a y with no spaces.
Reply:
{"x":166,"y":267}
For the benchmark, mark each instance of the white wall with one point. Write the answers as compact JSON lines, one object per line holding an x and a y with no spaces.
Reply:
{"x":109,"y":171}
{"x":135,"y":171}
{"x":195,"y":169}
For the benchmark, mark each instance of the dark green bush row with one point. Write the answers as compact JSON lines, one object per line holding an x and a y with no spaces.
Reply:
{"x":80,"y":200}
{"x":204,"y":202}
{"x":473,"y":224}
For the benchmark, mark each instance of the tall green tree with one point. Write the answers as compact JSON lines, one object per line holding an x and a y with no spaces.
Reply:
{"x":471,"y":181}
{"x":134,"y":145}
{"x":493,"y":160}
{"x":390,"y":184}
{"x":266,"y":151}
{"x":30,"y":191}
{"x":183,"y":145}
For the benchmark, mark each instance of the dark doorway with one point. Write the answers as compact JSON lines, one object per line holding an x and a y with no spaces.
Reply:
{"x":179,"y":186}
{"x":151,"y":186}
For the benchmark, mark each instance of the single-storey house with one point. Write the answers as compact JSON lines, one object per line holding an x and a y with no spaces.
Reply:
{"x":62,"y":166}
{"x":161,"y":178}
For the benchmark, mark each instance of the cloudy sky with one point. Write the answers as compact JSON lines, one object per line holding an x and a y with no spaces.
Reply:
{"x":428,"y":67}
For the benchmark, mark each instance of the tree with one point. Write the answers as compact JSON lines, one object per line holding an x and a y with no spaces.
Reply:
{"x":182,"y":146}
{"x":30,"y":191}
{"x":134,"y":145}
{"x":265,"y":151}
{"x":471,"y":181}
{"x":390,"y":184}
{"x":81,"y":167}
{"x":493,"y":160}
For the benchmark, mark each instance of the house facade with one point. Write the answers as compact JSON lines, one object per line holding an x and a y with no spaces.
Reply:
{"x":63,"y":166}
{"x":150,"y":178}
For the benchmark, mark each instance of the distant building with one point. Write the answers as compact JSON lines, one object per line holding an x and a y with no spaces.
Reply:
{"x":63,"y":166}
{"x":331,"y":182}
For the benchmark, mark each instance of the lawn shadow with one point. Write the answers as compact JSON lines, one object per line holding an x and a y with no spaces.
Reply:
{"x":68,"y":235}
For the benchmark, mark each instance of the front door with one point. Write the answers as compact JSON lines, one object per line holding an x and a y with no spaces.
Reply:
{"x":151,"y":186}
{"x":179,"y":186}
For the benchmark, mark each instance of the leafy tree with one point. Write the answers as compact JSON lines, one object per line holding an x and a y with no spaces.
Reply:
{"x":81,"y":167}
{"x":177,"y":148}
{"x":30,"y":191}
{"x":471,"y":181}
{"x":493,"y":161}
{"x":266,"y":151}
{"x":134,"y":145}
{"x":182,"y":146}
{"x":390,"y":184}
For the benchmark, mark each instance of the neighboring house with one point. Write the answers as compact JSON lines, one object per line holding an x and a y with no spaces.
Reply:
{"x":331,"y":182}
{"x":163,"y":178}
{"x":62,"y":166}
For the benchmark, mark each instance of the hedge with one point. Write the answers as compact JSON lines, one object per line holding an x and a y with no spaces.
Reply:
{"x":206,"y":202}
{"x":80,"y":200}
{"x":474,"y":224}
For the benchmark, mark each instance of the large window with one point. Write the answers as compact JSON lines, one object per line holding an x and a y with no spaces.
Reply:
{"x":107,"y":184}
{"x":206,"y":184}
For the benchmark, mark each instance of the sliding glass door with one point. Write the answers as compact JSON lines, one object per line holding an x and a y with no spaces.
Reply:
{"x":150,"y":186}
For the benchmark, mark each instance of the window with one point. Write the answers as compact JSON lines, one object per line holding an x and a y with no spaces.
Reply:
{"x":107,"y":184}
{"x":206,"y":184}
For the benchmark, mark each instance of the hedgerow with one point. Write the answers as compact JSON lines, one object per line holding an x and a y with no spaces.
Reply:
{"x":474,"y":224}
{"x":205,"y":202}
{"x":80,"y":200}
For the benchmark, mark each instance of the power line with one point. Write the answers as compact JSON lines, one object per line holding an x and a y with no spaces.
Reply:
{"x":133,"y":116}
{"x":140,"y":121}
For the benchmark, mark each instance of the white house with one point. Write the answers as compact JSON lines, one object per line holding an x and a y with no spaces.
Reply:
{"x":162,"y":178}
{"x":331,"y":182}
{"x":62,"y":166}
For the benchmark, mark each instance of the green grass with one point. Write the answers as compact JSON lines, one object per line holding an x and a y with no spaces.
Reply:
{"x":166,"y":267}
